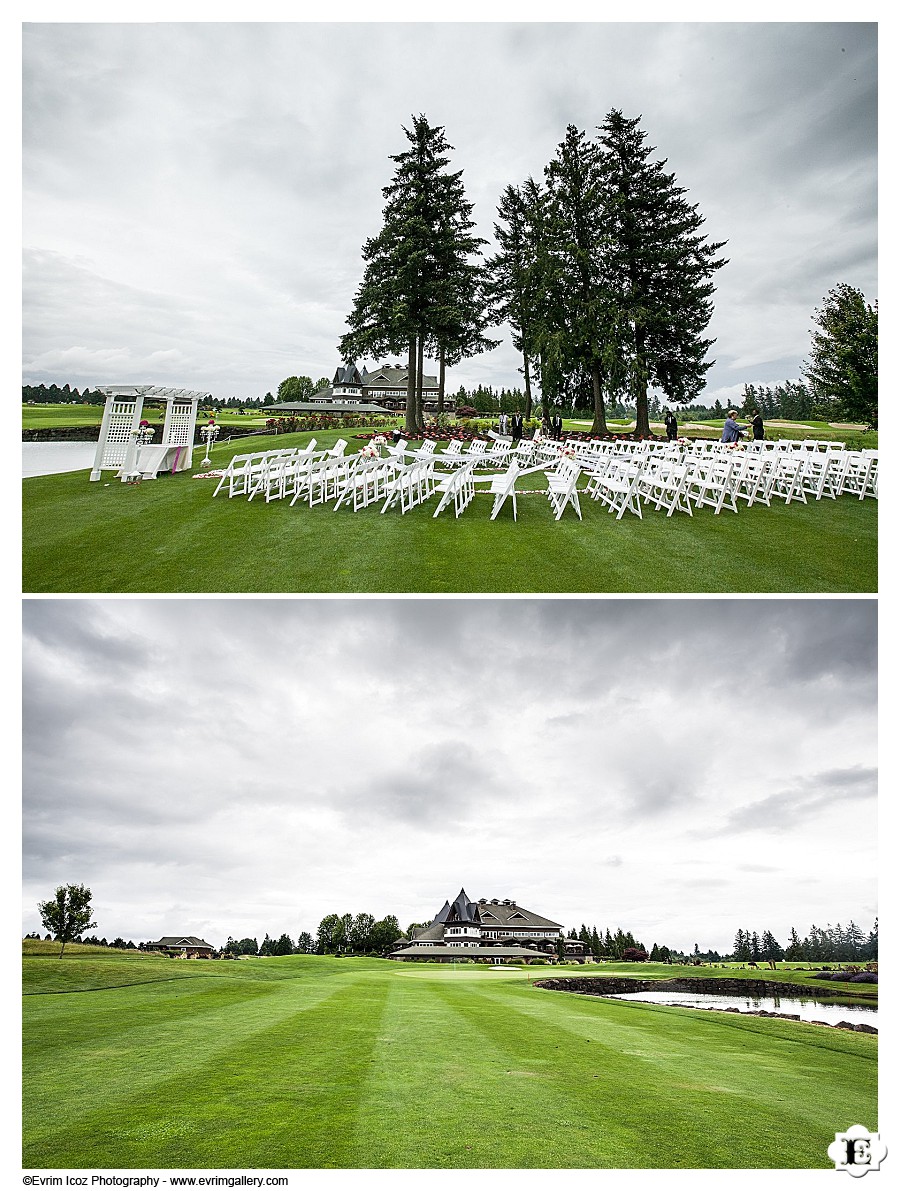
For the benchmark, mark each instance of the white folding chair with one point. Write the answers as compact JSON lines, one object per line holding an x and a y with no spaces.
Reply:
{"x":858,"y":478}
{"x":452,"y":455}
{"x":267,"y":477}
{"x":477,"y":449}
{"x":502,"y":487}
{"x":664,"y":485}
{"x":326,"y":477}
{"x":787,"y":478}
{"x":240,"y":473}
{"x":366,"y":483}
{"x":709,"y":483}
{"x":754,"y":479}
{"x":617,"y":487}
{"x":562,"y":487}
{"x":412,"y":483}
{"x":458,"y":486}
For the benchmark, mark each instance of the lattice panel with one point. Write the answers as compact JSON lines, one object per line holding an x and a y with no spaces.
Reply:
{"x":181,"y":424}
{"x":121,"y":422}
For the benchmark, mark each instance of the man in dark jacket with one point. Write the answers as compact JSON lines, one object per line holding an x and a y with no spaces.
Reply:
{"x":759,"y":431}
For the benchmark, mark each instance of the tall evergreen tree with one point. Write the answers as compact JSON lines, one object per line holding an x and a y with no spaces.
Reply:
{"x":658,"y":266}
{"x":421,"y":286}
{"x":795,"y":946}
{"x":573,"y":330}
{"x":770,"y":948}
{"x":843,"y":364}
{"x":514,"y":276}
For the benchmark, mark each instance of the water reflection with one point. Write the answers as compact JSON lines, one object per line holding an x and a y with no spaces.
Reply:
{"x":51,"y":458}
{"x":806,"y":1008}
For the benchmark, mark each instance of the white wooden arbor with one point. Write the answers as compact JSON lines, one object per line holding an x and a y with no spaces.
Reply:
{"x":118,"y":447}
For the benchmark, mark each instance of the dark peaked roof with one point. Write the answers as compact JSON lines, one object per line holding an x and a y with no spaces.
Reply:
{"x":442,"y":914}
{"x":463,"y":910}
{"x":347,"y":374}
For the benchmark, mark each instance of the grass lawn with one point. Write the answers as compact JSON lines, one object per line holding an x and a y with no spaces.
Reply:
{"x":170,"y":536}
{"x":313,"y":1062}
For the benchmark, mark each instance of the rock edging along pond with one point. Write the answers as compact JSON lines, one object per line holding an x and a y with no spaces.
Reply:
{"x":610,"y":986}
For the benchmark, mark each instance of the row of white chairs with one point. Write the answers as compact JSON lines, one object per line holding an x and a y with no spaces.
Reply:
{"x":266,"y":472}
{"x":720,"y":481}
{"x":622,"y":475}
{"x":400,"y":480}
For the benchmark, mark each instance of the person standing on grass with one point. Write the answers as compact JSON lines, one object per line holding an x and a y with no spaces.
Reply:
{"x":731,"y":431}
{"x":671,"y":426}
{"x":759,"y":430}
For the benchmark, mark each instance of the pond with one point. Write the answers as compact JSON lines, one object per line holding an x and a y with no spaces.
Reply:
{"x":51,"y":458}
{"x":806,"y":1008}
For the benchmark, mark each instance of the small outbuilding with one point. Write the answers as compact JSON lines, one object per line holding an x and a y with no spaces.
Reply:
{"x":183,"y":947}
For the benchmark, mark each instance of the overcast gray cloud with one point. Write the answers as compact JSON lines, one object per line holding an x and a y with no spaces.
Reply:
{"x":789,"y":808}
{"x":196,"y":195}
{"x":243,"y":766}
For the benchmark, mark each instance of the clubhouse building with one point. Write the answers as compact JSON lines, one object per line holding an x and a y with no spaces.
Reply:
{"x":355,"y":391}
{"x":492,"y":930}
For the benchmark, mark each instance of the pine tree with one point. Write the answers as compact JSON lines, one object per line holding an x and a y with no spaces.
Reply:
{"x":770,"y":948}
{"x":575,"y":312}
{"x":513,"y":276}
{"x":843,"y":364}
{"x":422,"y":283}
{"x":794,"y":947}
{"x":658,"y":267}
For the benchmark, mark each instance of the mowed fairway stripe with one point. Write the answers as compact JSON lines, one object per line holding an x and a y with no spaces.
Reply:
{"x":475,"y":1072}
{"x":255,"y":1074}
{"x":312,"y":1062}
{"x":700,"y":1089}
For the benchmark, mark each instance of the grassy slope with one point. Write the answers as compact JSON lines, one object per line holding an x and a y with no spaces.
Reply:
{"x":170,"y":536}
{"x":312,"y":1062}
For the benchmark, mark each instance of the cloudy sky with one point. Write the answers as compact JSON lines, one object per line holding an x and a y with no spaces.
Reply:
{"x":196,"y":195}
{"x":677,"y":768}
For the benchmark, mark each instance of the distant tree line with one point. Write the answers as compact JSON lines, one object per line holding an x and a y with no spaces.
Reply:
{"x":299,"y":388}
{"x":821,"y":944}
{"x":616,"y":944}
{"x":791,"y":400}
{"x":54,"y":395}
{"x":283,"y":945}
{"x":356,"y":934}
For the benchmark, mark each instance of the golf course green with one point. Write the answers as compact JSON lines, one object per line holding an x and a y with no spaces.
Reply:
{"x":134,"y":1061}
